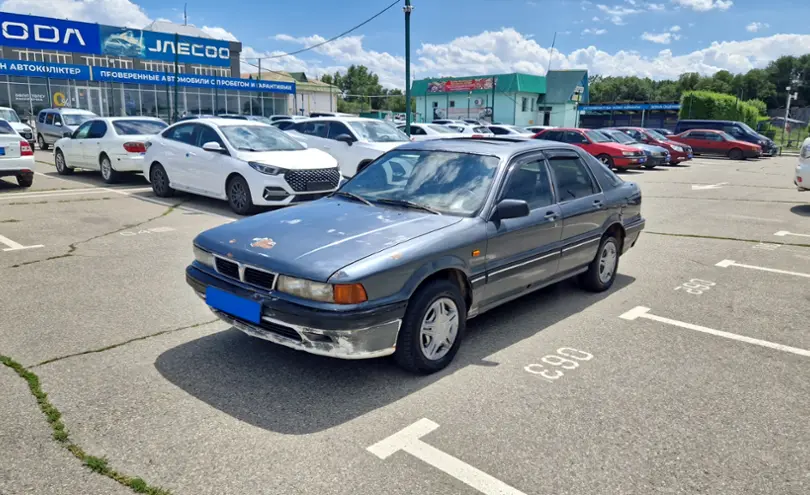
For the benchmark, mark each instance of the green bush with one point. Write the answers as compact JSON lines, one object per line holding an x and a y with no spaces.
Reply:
{"x":719,"y":106}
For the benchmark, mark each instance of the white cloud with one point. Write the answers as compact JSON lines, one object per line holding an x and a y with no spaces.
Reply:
{"x":675,"y":29}
{"x":595,"y":32}
{"x":595,"y":19}
{"x":656,"y":7}
{"x":617,"y":13}
{"x":219,"y":33}
{"x":661,"y":38}
{"x":757,"y":26}
{"x":112,"y":12}
{"x":705,"y":5}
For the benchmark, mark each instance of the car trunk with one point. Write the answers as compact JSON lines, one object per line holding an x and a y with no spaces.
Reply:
{"x":9,"y":146}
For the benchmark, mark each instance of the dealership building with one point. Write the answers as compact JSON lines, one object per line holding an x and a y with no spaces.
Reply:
{"x":519,"y":99}
{"x":115,"y":71}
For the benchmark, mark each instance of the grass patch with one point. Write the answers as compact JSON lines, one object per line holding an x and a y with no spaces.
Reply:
{"x":10,"y":220}
{"x":61,"y":435}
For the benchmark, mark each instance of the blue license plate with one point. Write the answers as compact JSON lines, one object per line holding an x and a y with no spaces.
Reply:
{"x":689,"y":155}
{"x":242,"y":308}
{"x":2,"y":151}
{"x":642,"y":160}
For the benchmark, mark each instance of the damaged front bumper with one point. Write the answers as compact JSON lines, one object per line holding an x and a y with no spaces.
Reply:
{"x":364,"y":334}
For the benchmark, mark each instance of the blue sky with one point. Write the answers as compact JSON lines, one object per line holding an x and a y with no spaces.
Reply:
{"x":657,"y":38}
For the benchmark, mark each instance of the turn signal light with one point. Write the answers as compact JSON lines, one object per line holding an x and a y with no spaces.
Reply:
{"x":25,"y":149}
{"x":349,"y":294}
{"x":135,"y":147}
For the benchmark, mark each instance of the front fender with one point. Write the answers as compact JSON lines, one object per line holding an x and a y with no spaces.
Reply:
{"x":432,"y":267}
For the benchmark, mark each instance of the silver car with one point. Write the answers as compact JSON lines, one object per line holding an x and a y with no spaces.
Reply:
{"x":55,"y":123}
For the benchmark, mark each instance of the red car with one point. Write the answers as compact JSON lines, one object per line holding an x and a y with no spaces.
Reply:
{"x":711,"y":142}
{"x":678,"y":152}
{"x":609,"y":152}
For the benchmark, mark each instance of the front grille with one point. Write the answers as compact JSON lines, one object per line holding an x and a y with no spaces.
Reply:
{"x":259,"y":278}
{"x":313,"y":180}
{"x":281,"y":330}
{"x":227,"y":268}
{"x":300,"y":198}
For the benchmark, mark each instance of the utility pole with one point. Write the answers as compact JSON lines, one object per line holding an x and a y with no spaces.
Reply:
{"x":407,"y":9}
{"x":176,"y":70}
{"x":790,"y":97}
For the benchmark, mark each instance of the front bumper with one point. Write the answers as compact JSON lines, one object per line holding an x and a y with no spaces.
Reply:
{"x":678,"y":157}
{"x":656,"y":160}
{"x":629,"y":162}
{"x":752,"y":153}
{"x":632,"y":231}
{"x":358,"y":334}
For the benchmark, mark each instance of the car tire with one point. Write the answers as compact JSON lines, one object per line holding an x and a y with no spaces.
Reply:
{"x":160,"y":181}
{"x":239,"y":198}
{"x":649,"y":167}
{"x":41,"y":143}
{"x":606,"y":160}
{"x":108,"y":173}
{"x":602,"y":270}
{"x":25,"y":180}
{"x":735,"y":154}
{"x":411,"y":353}
{"x":61,"y":165}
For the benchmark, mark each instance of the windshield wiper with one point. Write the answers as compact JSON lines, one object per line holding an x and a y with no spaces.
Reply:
{"x":352,"y":196}
{"x":406,"y":204}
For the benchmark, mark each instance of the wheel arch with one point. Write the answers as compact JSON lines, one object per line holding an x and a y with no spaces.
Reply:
{"x":449,"y":268}
{"x":617,"y":230}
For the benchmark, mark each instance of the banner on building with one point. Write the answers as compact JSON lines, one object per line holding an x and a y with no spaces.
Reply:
{"x":188,"y":80}
{"x":461,"y":85}
{"x":43,"y":33}
{"x":41,"y":69}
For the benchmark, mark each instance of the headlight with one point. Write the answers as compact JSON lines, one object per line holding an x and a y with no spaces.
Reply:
{"x":203,"y":257}
{"x":678,"y":149}
{"x":316,"y":291}
{"x":266,"y":169}
{"x":806,"y":151}
{"x":762,"y":142}
{"x":629,"y":153}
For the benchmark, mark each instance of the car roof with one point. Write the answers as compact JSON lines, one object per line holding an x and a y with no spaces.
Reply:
{"x":501,"y":147}
{"x":343,"y":119}
{"x":118,"y":119}
{"x":72,"y":110}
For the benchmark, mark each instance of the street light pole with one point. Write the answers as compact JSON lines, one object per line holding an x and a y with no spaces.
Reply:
{"x":787,"y":114}
{"x":407,"y":9}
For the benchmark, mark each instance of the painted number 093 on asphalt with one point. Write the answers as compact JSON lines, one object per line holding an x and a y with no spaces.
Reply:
{"x":696,"y":286}
{"x":566,"y":358}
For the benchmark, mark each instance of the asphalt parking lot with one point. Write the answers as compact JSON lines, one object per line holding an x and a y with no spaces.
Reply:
{"x":692,"y":375}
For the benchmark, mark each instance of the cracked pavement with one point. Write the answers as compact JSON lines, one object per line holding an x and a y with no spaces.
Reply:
{"x":146,"y":377}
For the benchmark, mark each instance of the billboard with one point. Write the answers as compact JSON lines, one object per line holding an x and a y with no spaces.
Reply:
{"x":41,"y":69}
{"x":190,"y":80}
{"x":43,"y":33}
{"x":462,"y":85}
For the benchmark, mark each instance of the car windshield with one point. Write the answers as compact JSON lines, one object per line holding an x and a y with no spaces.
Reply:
{"x":259,"y":138}
{"x":619,"y":136}
{"x":9,"y":115}
{"x":440,"y":129}
{"x":747,"y":128}
{"x":447,"y":182}
{"x":655,"y":135}
{"x":377,"y":131}
{"x":134,"y":127}
{"x":597,"y":137}
{"x":76,"y":118}
{"x":258,"y":118}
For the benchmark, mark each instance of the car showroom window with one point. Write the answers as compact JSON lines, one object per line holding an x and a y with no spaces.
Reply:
{"x":452,"y":183}
{"x":529,"y":182}
{"x":259,"y":138}
{"x":572,"y":178}
{"x":137,"y":127}
{"x":98,"y":128}
{"x":377,"y":131}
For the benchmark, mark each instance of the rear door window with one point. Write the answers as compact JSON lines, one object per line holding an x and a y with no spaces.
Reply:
{"x":98,"y":128}
{"x":182,"y":133}
{"x":317,"y":128}
{"x":572,"y":179}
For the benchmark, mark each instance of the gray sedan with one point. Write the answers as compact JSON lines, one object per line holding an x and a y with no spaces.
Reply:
{"x":429,"y":235}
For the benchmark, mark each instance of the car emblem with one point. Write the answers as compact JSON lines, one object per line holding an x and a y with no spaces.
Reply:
{"x":263,"y":242}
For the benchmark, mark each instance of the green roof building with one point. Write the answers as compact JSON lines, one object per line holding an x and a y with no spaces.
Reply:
{"x":519,"y":99}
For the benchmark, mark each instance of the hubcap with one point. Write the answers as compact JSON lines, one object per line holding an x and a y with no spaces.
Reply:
{"x":106,"y":168}
{"x":60,"y":162}
{"x":604,"y":160}
{"x":157,"y":179}
{"x":607,"y":262}
{"x":439,"y":329}
{"x":238,"y":195}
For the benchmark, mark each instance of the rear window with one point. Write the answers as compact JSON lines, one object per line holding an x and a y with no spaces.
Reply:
{"x":136,"y":127}
{"x":5,"y":128}
{"x":481,"y":130}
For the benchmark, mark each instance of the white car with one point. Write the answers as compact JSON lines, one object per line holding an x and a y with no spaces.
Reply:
{"x":111,"y":145}
{"x":467,"y":130}
{"x":449,"y":121}
{"x":802,"y":179}
{"x":353,"y":141}
{"x":534,"y":129}
{"x":16,"y":155}
{"x":245,"y":162}
{"x":510,"y":130}
{"x":10,"y":116}
{"x":425,"y":132}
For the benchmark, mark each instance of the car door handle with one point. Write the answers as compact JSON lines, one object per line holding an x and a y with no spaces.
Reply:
{"x":189,"y":154}
{"x":551,"y":215}
{"x":598,"y":203}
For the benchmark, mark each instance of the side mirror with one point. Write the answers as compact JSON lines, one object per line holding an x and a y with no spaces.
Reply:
{"x":213,"y":147}
{"x":510,"y":208}
{"x":57,"y":124}
{"x":67,"y":134}
{"x":344,"y":138}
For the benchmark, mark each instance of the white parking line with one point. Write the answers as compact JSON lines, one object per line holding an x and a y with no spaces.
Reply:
{"x":71,"y":192}
{"x":783,"y":233}
{"x":642,"y":312}
{"x":728,"y":263}
{"x":15,"y":246}
{"x":408,"y":439}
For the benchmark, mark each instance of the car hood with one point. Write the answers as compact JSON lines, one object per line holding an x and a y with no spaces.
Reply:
{"x":315,"y":240}
{"x":19,"y":126}
{"x":621,"y":147}
{"x":305,"y":159}
{"x":652,"y":148}
{"x":383,"y":147}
